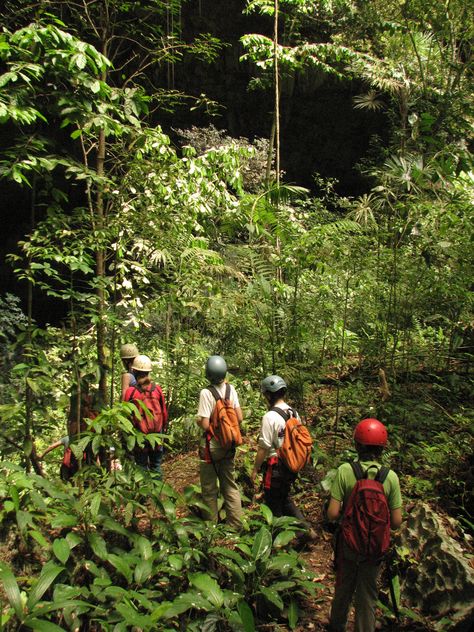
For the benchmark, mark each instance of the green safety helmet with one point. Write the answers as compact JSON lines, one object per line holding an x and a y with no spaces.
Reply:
{"x":142,"y":363}
{"x":128,"y":351}
{"x":272,"y":384}
{"x":216,"y":369}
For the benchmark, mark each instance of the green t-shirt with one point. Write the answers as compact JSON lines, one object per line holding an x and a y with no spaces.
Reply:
{"x":345,"y":481}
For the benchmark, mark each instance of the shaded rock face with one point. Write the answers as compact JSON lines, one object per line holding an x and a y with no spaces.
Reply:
{"x":441,"y":583}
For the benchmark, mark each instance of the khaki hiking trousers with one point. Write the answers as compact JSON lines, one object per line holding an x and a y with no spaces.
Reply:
{"x":219,"y":476}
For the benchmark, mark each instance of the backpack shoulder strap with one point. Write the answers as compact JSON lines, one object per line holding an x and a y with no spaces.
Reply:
{"x":358,"y":471}
{"x":215,"y":392}
{"x":227,"y":391}
{"x":382,"y":474}
{"x":286,"y":414}
{"x":132,"y":393}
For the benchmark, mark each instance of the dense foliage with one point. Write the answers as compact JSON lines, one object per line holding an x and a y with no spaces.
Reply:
{"x":196,"y":247}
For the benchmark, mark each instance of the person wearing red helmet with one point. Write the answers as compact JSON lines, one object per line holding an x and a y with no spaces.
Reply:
{"x":356,"y":574}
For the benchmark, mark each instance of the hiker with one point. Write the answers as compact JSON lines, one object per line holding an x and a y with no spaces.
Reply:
{"x":76,"y":424}
{"x":219,"y":416}
{"x":150,"y":394}
{"x":363,"y":536}
{"x":277,"y":477}
{"x":128,"y":353}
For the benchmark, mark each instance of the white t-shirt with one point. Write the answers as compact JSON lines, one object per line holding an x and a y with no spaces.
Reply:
{"x":272,"y":430}
{"x":207,"y":400}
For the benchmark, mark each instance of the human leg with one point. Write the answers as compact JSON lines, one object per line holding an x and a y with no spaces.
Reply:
{"x":209,"y":489}
{"x":365,"y":597}
{"x":156,"y":457}
{"x":230,"y":491}
{"x":346,"y":579}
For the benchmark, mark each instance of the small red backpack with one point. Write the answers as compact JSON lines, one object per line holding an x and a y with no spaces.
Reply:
{"x":155,"y":418}
{"x":365,"y":525}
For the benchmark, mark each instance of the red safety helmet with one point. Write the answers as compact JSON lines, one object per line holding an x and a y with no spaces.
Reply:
{"x":370,"y":432}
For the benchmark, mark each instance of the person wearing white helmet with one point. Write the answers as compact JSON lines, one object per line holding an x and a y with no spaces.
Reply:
{"x":155,"y":420}
{"x":277,"y":479}
{"x":128,"y":353}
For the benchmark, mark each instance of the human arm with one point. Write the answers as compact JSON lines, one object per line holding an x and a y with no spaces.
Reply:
{"x":396,"y":518}
{"x":203,"y":422}
{"x":334,"y":509}
{"x":51,"y":447}
{"x":259,"y":459}
{"x":125,"y":384}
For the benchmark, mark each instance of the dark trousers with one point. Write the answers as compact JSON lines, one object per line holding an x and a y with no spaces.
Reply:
{"x":277,"y":496}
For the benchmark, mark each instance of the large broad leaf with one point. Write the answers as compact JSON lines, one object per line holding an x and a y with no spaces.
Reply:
{"x":144,"y":547}
{"x":272,"y":597}
{"x":283,"y":538}
{"x":63,"y":520}
{"x":262,"y":545}
{"x":246,"y":616}
{"x":61,"y":549}
{"x":284,"y":562}
{"x":209,"y":587}
{"x":267,"y":513}
{"x":183,"y":603}
{"x":293,"y":614}
{"x":142,"y":571}
{"x":175,"y":562}
{"x":98,"y":545}
{"x":121,"y":565}
{"x":48,"y":575}
{"x":11,"y":589}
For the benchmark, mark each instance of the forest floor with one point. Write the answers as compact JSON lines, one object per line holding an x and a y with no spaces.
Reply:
{"x":183,"y":469}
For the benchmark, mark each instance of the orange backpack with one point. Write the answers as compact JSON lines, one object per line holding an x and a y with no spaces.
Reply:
{"x":224,"y":425}
{"x":295,"y":451}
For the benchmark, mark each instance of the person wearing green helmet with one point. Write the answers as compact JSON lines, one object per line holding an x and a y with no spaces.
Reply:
{"x":216,"y":465}
{"x":128,"y":353}
{"x":277,"y":479}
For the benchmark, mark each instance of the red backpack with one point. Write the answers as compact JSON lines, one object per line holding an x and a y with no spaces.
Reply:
{"x":155,"y":418}
{"x":365,"y":525}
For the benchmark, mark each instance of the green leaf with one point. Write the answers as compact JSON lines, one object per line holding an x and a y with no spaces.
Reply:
{"x":39,"y":537}
{"x":283,"y":538}
{"x":293,"y":614}
{"x":209,"y":587}
{"x":11,"y":589}
{"x":95,"y":505}
{"x":121,"y":565}
{"x":40,"y":625}
{"x":98,"y":545}
{"x":176,"y":562}
{"x":262,"y":544}
{"x":63,"y":520}
{"x":246,"y":616}
{"x":142,"y":571}
{"x":183,"y":603}
{"x":48,"y":575}
{"x":73,"y":539}
{"x":267,"y":513}
{"x":62,"y":550}
{"x":144,"y":548}
{"x":272,"y":597}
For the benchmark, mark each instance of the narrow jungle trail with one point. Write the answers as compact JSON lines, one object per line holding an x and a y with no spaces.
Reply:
{"x":182,"y":470}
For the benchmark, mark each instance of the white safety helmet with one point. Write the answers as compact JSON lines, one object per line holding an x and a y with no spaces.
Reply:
{"x":128,"y":351}
{"x":142,"y":363}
